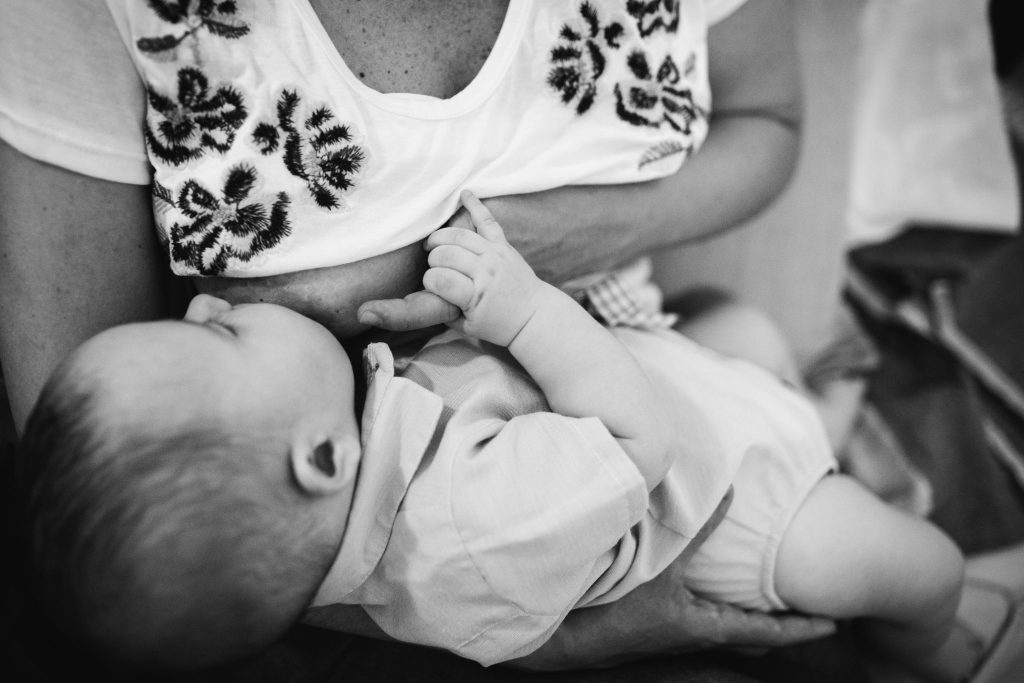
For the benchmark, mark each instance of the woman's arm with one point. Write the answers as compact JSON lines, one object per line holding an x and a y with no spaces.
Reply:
{"x":77,"y":255}
{"x":658,"y":618}
{"x":662,"y":617}
{"x":747,"y":159}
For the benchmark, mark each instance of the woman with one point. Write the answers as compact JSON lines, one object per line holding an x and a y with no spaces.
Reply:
{"x":255,"y":160}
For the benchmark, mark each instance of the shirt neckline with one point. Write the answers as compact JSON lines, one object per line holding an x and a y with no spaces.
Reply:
{"x":416,"y":105}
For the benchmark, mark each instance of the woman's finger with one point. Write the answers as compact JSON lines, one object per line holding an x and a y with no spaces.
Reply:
{"x":467,"y":239}
{"x":450,"y":285}
{"x":741,"y":630}
{"x":482,"y":218}
{"x":456,"y":258}
{"x":416,"y":311}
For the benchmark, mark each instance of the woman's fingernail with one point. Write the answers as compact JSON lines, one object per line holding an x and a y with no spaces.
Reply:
{"x":369,"y":318}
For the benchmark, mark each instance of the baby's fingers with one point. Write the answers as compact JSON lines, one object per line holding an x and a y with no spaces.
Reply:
{"x":482,"y":218}
{"x":456,"y":258}
{"x":459,"y":237}
{"x":450,"y":285}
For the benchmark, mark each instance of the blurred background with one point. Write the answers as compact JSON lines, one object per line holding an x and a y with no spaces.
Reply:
{"x":903,"y":124}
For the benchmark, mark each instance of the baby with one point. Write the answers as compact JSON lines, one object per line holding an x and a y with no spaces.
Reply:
{"x":195,"y":486}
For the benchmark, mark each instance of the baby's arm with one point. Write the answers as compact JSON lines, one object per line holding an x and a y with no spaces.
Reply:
{"x":581,"y":368}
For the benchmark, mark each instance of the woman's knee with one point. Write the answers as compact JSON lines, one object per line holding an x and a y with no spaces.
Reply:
{"x":740,"y":330}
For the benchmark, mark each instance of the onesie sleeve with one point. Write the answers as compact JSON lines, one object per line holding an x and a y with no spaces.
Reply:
{"x":538,"y":507}
{"x":69,"y":92}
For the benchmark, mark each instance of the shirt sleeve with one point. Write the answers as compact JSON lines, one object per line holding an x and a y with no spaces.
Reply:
{"x":538,"y":506}
{"x":69,"y":92}
{"x":717,"y":10}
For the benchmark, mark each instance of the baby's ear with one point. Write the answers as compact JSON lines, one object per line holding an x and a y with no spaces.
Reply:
{"x":324,"y":466}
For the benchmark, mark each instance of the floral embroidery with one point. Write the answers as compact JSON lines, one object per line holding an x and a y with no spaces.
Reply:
{"x":224,"y":227}
{"x":163,"y":202}
{"x":649,"y":100}
{"x":196,"y":121}
{"x":321,"y":153}
{"x":193,"y":15}
{"x":579,"y":58}
{"x":663,"y":150}
{"x":652,"y":15}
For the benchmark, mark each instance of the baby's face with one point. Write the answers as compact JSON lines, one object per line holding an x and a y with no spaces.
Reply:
{"x":260,"y":368}
{"x":293,"y":366}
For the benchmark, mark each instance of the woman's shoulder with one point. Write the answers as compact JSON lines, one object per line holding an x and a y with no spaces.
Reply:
{"x":69,"y":91}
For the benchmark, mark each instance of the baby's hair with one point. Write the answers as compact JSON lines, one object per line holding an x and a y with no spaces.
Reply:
{"x":160,"y":550}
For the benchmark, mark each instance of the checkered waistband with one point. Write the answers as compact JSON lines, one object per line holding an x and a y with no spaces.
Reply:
{"x":616,"y":301}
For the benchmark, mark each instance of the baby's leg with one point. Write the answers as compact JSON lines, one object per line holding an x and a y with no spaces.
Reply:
{"x":847,"y":554}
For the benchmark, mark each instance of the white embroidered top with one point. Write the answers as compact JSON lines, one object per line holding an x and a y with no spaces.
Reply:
{"x":268,"y":155}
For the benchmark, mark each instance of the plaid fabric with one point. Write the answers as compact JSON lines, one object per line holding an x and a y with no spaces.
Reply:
{"x":620,"y":301}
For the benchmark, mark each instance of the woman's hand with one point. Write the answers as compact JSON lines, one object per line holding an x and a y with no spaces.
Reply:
{"x":420,"y":309}
{"x":663,"y":617}
{"x":415,"y":311}
{"x":660,"y":617}
{"x":476,"y":282}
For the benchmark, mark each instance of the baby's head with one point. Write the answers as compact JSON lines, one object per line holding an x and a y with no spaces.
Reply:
{"x":188,"y":482}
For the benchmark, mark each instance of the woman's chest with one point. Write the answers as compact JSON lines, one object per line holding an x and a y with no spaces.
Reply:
{"x":330,"y":295}
{"x":428,"y":47}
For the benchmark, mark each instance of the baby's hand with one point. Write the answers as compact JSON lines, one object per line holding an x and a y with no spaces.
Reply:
{"x":482,"y":274}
